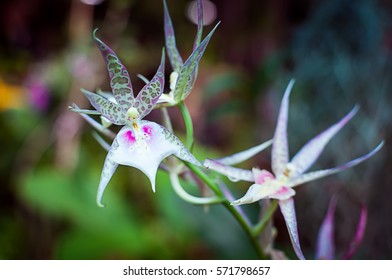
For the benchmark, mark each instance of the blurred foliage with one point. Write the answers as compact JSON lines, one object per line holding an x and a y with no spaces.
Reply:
{"x":338,"y":52}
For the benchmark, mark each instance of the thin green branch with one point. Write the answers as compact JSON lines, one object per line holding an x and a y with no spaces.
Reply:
{"x":188,"y":197}
{"x":241,"y":220}
{"x":188,"y":125}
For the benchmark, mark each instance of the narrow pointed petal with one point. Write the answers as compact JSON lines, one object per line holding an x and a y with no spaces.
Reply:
{"x":109,"y":110}
{"x":280,"y":150}
{"x":244,"y":155}
{"x":309,"y":153}
{"x":150,"y":93}
{"x":108,"y":170}
{"x":74,"y":108}
{"x":288,"y":210}
{"x":188,"y":74}
{"x":181,"y":152}
{"x":199,"y":24}
{"x":170,"y":41}
{"x":304,"y":178}
{"x":234,"y":174}
{"x":325,"y":249}
{"x":120,"y":81}
{"x":358,"y":235}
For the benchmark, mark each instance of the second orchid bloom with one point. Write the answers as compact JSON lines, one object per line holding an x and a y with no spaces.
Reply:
{"x":285,"y":174}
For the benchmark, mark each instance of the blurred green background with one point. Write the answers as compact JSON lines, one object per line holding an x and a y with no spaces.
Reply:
{"x":339,"y":52}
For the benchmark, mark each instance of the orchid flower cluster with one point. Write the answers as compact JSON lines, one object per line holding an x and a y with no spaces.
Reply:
{"x":145,"y":145}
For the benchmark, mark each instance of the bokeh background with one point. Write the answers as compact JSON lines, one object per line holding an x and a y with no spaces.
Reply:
{"x":339,"y":52}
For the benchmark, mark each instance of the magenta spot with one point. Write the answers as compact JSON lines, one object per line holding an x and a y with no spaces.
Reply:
{"x":262,"y":176}
{"x":147,"y":129}
{"x":283,"y":190}
{"x":129,"y":136}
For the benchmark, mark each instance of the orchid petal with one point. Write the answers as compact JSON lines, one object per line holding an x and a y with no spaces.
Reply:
{"x":199,"y":24}
{"x":181,"y":151}
{"x":322,"y":173}
{"x":94,"y":123}
{"x":262,"y":176}
{"x":107,"y":95}
{"x":325,"y":241}
{"x":188,"y":72}
{"x":145,"y":148}
{"x":233,"y":173}
{"x":108,"y":170}
{"x":267,"y":190}
{"x":74,"y":108}
{"x":150,"y":93}
{"x":358,"y":235}
{"x":244,"y":155}
{"x":120,"y":81}
{"x":170,"y":41}
{"x":309,"y":153}
{"x":280,"y":150}
{"x":109,"y":110}
{"x":144,"y":79}
{"x":288,"y":210}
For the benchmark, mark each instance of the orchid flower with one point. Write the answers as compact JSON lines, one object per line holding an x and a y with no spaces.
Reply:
{"x":184,"y":74}
{"x":325,"y":242}
{"x":286,"y":175}
{"x":140,"y":144}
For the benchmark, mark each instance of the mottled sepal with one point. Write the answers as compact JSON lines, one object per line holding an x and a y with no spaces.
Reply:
{"x":170,"y":41}
{"x":150,"y":93}
{"x":199,"y":24}
{"x":120,"y":81}
{"x":109,"y":110}
{"x":188,"y":73}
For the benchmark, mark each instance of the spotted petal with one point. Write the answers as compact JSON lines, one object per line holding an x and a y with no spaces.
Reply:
{"x":280,"y":150}
{"x":288,"y":210}
{"x":108,"y":170}
{"x":188,"y":74}
{"x":325,"y":241}
{"x":322,"y":173}
{"x":120,"y":81}
{"x":108,"y":109}
{"x":304,"y":159}
{"x":199,"y":24}
{"x":170,"y":41}
{"x":150,"y":93}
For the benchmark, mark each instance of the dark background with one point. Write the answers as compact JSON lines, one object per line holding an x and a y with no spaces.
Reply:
{"x":339,"y":52}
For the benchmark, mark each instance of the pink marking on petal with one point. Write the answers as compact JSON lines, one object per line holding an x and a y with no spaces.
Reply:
{"x":129,"y":136}
{"x":283,"y":193}
{"x":147,"y":129}
{"x":263,"y":176}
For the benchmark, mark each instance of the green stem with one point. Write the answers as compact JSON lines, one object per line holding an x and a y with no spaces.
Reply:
{"x":188,"y":197}
{"x":241,"y":220}
{"x":188,"y":124}
{"x":260,"y":226}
